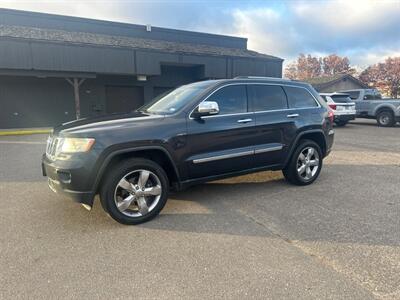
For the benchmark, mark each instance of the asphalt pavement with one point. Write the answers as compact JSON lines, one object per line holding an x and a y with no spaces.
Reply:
{"x":253,"y":236}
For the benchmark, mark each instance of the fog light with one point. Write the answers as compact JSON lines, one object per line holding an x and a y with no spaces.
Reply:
{"x":65,"y":177}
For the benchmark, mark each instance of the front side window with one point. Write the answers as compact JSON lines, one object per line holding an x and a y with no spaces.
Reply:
{"x":300,"y":98}
{"x":267,"y":97}
{"x":231,"y":99}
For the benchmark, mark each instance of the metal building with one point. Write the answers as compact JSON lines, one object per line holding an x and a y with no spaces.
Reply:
{"x":56,"y":68}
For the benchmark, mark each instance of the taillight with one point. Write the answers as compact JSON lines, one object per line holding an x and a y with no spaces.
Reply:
{"x":331,"y":116}
{"x":333,"y":106}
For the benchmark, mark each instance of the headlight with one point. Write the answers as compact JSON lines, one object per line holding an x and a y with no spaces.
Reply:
{"x":74,"y":145}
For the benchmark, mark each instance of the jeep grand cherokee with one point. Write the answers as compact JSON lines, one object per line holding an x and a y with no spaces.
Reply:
{"x":199,"y":132}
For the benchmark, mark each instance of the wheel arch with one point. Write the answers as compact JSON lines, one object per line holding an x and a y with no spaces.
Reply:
{"x":157,"y":154}
{"x":384,"y":107}
{"x":316,"y":136}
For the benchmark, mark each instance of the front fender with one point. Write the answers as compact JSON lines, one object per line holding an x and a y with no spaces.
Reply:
{"x":106,"y":161}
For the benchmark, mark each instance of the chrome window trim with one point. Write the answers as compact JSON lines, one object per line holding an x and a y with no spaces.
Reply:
{"x":224,"y":156}
{"x":253,"y":112}
{"x":227,"y":115}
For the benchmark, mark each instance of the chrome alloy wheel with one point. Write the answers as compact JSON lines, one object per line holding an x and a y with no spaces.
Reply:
{"x":137,"y":193}
{"x":308,"y":163}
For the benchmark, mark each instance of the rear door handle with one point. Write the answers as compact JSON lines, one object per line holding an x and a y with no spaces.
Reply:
{"x":292,"y":116}
{"x":245,"y":120}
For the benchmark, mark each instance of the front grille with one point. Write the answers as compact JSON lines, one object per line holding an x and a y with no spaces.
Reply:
{"x":51,"y":147}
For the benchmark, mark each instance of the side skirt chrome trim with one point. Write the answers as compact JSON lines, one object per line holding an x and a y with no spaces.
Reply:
{"x":264,"y":150}
{"x":225,"y":156}
{"x":238,"y":154}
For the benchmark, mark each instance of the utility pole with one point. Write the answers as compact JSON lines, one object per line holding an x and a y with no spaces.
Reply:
{"x":76,"y":83}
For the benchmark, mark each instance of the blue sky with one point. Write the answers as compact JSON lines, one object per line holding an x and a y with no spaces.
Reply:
{"x":365,"y":31}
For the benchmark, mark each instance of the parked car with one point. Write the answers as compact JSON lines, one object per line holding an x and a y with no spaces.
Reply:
{"x":370,"y":105}
{"x":199,"y":132}
{"x":342,"y":106}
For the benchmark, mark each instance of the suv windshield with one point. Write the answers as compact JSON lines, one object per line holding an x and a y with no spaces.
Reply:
{"x":169,"y":103}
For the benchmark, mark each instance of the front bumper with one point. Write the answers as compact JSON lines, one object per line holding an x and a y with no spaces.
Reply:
{"x":66,"y":182}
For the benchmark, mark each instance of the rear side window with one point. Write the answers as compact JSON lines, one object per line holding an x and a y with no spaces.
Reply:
{"x":267,"y":97}
{"x":300,"y":98}
{"x":372,"y":97}
{"x":231,"y":99}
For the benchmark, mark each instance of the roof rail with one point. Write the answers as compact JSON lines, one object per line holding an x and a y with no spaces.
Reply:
{"x":261,"y":77}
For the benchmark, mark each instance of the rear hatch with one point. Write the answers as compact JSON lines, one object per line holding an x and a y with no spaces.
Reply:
{"x":342,"y":103}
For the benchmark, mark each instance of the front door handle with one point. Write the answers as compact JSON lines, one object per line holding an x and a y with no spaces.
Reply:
{"x":292,"y":116}
{"x":245,"y":120}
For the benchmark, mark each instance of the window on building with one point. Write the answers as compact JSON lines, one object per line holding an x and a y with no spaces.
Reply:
{"x":231,"y":99}
{"x":300,"y":98}
{"x":267,"y":97}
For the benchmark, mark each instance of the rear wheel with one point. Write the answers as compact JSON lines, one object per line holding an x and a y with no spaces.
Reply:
{"x":305,"y":164}
{"x":385,"y":118}
{"x":135,"y":191}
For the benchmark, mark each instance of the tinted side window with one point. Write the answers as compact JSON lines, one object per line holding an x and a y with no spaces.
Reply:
{"x":299,"y":98}
{"x":267,"y":97}
{"x":354,"y":95}
{"x":231,"y":99}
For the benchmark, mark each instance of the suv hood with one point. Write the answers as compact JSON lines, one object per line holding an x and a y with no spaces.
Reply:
{"x":105,"y":122}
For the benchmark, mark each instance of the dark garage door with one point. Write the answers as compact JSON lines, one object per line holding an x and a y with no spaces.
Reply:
{"x":35,"y":102}
{"x":123,"y":99}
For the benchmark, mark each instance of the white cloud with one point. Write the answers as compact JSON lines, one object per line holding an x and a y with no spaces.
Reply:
{"x":365,"y":31}
{"x":105,"y":10}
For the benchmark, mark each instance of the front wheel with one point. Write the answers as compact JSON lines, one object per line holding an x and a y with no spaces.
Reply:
{"x":385,"y":119}
{"x":305,"y":164}
{"x":135,"y":191}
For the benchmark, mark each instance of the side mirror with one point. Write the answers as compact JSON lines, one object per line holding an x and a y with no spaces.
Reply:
{"x":207,"y":108}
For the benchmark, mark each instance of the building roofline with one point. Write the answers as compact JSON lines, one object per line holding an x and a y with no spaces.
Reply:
{"x":334,"y":80}
{"x":22,"y":33}
{"x":114,"y":24}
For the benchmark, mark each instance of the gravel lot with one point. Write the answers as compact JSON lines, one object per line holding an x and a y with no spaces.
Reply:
{"x":248,"y":237}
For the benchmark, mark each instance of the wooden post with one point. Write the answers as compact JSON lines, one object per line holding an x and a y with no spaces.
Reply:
{"x":76,"y":83}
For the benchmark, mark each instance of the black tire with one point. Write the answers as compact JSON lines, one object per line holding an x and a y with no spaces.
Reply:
{"x":120,"y":171}
{"x":385,"y":118}
{"x":340,"y":123}
{"x":290,"y":171}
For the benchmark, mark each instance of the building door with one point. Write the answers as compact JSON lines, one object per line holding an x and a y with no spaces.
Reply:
{"x":123,"y":99}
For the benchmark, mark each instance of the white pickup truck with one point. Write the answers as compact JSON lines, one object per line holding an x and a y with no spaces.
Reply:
{"x":371,"y":105}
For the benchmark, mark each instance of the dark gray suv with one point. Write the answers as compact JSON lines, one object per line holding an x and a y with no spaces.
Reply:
{"x":199,"y":132}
